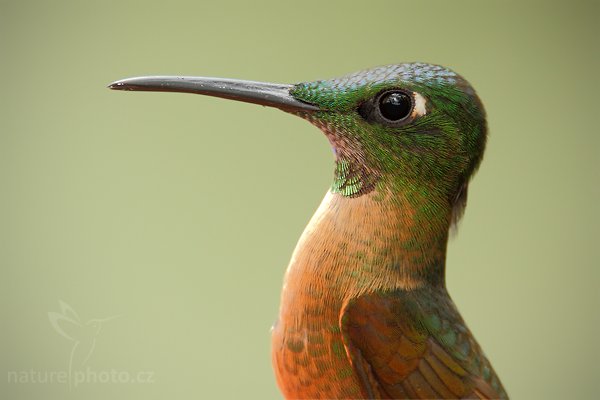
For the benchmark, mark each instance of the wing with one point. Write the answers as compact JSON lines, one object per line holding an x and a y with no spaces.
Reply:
{"x":414,"y":344}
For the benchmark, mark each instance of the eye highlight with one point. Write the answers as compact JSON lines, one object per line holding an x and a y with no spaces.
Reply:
{"x":394,"y":106}
{"x":391,"y":107}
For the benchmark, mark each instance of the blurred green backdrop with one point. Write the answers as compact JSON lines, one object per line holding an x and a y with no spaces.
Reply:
{"x":178,"y":213}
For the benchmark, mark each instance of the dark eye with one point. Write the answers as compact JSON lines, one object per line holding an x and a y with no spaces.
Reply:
{"x":394,"y":106}
{"x":391,"y":107}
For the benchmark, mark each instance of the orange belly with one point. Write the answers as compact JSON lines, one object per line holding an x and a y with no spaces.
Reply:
{"x":309,"y":357}
{"x":345,"y":251}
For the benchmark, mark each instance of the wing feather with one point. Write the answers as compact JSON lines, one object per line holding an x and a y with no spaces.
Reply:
{"x":414,"y":344}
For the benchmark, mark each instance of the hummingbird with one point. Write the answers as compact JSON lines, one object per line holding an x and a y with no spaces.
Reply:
{"x":364,"y":311}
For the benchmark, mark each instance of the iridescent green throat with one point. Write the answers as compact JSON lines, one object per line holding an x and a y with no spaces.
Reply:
{"x":351,"y":180}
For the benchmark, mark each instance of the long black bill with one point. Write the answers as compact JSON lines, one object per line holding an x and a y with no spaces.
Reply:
{"x":266,"y":94}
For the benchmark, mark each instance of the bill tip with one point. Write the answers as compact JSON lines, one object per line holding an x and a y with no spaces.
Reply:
{"x":118,"y":85}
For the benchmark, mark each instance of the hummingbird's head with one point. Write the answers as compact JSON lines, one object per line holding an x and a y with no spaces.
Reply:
{"x":411,"y":127}
{"x":414,"y":125}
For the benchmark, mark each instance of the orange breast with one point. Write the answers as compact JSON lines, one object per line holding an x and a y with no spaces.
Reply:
{"x":351,"y":246}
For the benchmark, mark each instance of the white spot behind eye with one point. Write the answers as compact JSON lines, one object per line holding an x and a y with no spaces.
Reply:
{"x":419,"y":109}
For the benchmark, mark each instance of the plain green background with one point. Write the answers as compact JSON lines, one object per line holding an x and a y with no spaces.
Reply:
{"x":178,"y":213}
